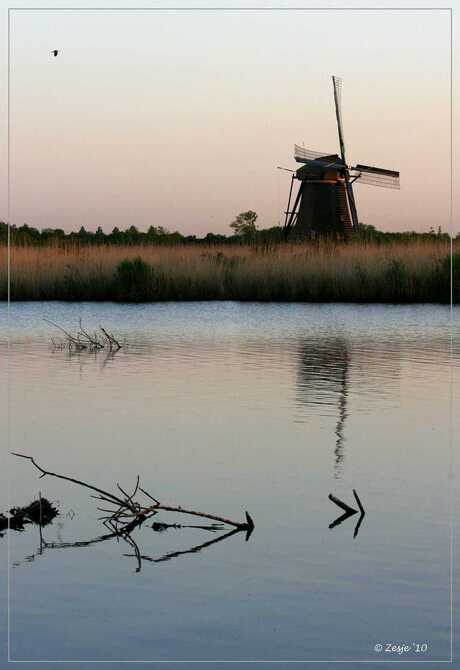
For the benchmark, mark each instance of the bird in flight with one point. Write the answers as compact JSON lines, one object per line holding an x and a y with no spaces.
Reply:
{"x":55,"y":52}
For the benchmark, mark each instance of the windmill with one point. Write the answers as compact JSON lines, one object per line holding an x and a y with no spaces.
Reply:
{"x":325,"y":203}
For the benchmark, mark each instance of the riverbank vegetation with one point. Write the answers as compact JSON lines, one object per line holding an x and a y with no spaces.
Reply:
{"x":244,"y":231}
{"x":416,"y":270}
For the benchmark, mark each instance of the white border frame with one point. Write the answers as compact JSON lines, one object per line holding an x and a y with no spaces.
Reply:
{"x":451,"y":382}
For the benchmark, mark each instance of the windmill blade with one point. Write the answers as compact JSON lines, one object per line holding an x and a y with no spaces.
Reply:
{"x":302,"y":152}
{"x":337,"y":84}
{"x":351,"y":202}
{"x":377,"y":176}
{"x":316,"y":158}
{"x":374,"y":180}
{"x":338,"y":165}
{"x":376,"y":170}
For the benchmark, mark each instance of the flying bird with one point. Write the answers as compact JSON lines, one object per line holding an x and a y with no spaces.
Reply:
{"x":55,"y":52}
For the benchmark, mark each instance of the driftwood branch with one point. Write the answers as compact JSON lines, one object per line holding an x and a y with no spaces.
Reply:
{"x":92,"y":339}
{"x":113,"y":343}
{"x":123,"y":513}
{"x":71,"y":339}
{"x":85,"y":341}
{"x":69,"y":479}
{"x":128,"y":509}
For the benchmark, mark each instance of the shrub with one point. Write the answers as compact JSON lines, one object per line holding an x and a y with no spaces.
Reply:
{"x":441,"y":279}
{"x":133,"y":280}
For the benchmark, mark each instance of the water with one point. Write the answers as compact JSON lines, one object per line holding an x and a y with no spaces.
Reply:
{"x":227,"y":407}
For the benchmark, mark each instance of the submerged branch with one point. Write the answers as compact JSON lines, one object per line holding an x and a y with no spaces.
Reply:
{"x":110,"y":339}
{"x":129,"y":508}
{"x":205,"y":515}
{"x":124,"y":514}
{"x":85,"y":341}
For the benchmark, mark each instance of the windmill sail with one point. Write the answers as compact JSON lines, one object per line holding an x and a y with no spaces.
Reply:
{"x":337,"y":83}
{"x":377,"y":176}
{"x":302,"y":152}
{"x":316,"y":158}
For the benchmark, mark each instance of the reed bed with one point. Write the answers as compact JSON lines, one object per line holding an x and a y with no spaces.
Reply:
{"x":418,"y":271}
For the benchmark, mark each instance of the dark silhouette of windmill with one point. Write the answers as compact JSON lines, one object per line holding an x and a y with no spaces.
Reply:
{"x":325,"y":202}
{"x":55,"y":52}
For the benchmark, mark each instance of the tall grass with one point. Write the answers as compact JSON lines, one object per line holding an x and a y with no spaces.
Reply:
{"x":355,"y":272}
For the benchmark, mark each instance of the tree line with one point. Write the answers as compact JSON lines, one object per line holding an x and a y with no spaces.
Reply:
{"x":243,"y":228}
{"x":244,"y":231}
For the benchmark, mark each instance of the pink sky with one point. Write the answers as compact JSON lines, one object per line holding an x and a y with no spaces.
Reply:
{"x":179,"y":118}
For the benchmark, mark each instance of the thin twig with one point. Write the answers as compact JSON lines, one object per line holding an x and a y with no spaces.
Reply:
{"x":66,"y":332}
{"x":110,"y":338}
{"x":93,"y":340}
{"x":149,"y":496}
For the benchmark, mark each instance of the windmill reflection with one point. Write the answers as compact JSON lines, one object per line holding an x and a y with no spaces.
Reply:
{"x":323,"y":382}
{"x":340,"y":425}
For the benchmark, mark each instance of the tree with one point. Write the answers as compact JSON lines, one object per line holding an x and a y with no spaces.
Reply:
{"x":100,"y":235}
{"x":214,"y":238}
{"x":245,"y":224}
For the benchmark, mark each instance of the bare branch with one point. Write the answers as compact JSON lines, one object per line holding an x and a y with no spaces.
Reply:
{"x":130,"y":513}
{"x":70,"y":337}
{"x":111,"y":339}
{"x":149,"y":496}
{"x":107,"y":494}
{"x":93,"y":340}
{"x":83,"y":340}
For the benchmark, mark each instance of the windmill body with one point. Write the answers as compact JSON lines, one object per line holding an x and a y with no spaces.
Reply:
{"x":325,"y":204}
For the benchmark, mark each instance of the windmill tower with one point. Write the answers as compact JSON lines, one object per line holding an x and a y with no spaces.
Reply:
{"x":325,"y":203}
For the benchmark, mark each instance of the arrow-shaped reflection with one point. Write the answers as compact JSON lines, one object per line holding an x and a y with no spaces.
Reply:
{"x":348,"y":512}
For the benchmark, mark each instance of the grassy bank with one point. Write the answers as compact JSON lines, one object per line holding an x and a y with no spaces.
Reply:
{"x":357,"y":272}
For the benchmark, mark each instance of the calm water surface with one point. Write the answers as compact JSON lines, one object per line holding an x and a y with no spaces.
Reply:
{"x":231,"y":407}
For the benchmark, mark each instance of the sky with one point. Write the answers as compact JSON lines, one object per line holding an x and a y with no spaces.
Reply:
{"x":180,"y":118}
